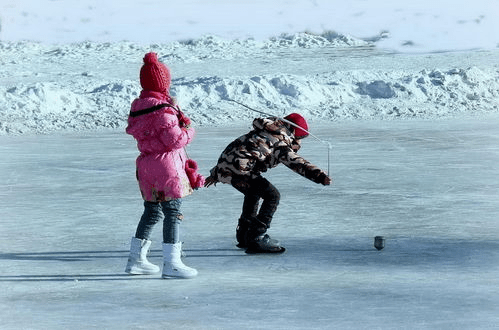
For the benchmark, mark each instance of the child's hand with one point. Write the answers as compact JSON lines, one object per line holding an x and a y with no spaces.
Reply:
{"x":327,"y":181}
{"x":209,"y":181}
{"x":324,"y":179}
{"x":184,"y":121}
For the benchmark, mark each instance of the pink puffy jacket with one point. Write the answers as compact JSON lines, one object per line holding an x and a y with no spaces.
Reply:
{"x":161,"y":141}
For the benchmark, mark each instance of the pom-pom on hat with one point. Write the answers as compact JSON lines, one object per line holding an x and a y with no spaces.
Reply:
{"x":154,"y":75}
{"x":298,"y":120}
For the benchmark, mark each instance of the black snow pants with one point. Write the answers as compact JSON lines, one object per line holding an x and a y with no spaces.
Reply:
{"x":257,"y":221}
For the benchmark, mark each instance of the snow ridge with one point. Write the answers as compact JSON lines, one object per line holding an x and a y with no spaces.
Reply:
{"x":75,"y":87}
{"x":49,"y":106}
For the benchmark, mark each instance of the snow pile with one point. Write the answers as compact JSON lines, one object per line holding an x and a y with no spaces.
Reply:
{"x":311,"y":40}
{"x":45,"y":88}
{"x":46,"y":107}
{"x":352,"y":95}
{"x":185,"y":51}
{"x":43,"y":107}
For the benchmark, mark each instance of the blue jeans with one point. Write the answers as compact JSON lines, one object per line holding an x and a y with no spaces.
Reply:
{"x":169,"y":212}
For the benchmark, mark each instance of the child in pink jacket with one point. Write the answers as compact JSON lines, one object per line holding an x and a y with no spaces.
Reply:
{"x":164,"y":173}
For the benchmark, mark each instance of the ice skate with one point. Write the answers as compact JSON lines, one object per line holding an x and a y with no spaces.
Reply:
{"x":263,"y":244}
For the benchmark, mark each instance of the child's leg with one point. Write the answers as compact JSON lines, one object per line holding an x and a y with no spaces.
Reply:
{"x":256,"y":240}
{"x":173,"y":267}
{"x":250,"y":206}
{"x":271,"y":198}
{"x":253,"y":190}
{"x":151,"y":216}
{"x":249,"y":213}
{"x":251,"y":198}
{"x":249,"y":210}
{"x":171,"y":222}
{"x":140,"y":244}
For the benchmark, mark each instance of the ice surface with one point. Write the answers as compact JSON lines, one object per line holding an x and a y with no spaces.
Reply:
{"x":405,"y":93}
{"x":70,"y":204}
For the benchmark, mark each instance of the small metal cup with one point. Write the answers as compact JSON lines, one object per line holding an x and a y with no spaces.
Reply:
{"x":379,"y":242}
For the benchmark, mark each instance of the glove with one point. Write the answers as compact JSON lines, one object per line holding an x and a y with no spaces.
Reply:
{"x":327,"y":181}
{"x":209,"y":181}
{"x":324,"y":179}
{"x":195,"y":179}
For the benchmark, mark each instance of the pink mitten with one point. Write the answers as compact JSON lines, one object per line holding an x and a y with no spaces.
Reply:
{"x":196,"y":179}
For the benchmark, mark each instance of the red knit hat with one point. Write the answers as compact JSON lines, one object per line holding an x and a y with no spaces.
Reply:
{"x":154,"y":75}
{"x":297,"y":119}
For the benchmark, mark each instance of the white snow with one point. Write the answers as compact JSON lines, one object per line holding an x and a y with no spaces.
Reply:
{"x":90,"y":85}
{"x":406,"y":94}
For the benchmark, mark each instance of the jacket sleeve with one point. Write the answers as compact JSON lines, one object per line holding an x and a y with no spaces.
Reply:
{"x":172,"y":135}
{"x":301,"y":166}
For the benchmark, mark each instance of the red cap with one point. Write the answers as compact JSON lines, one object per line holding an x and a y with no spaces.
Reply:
{"x":297,"y":119}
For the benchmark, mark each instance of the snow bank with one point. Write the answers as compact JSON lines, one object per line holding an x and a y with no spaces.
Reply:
{"x":44,"y":88}
{"x":46,"y":107}
{"x":359,"y":95}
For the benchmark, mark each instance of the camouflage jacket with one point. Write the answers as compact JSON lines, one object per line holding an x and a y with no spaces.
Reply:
{"x":270,"y":143}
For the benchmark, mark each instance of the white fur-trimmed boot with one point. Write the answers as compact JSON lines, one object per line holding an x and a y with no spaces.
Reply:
{"x":137,"y":261}
{"x":173,"y":267}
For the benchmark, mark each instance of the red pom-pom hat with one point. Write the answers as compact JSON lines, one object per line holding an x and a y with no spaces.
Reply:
{"x":154,"y":75}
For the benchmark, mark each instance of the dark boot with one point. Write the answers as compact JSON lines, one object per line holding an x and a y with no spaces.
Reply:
{"x":264,"y":244}
{"x":257,"y":241}
{"x":244,"y":226}
{"x":241,"y":229}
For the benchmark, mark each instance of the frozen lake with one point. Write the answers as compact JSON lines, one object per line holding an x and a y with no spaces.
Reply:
{"x":69,"y":204}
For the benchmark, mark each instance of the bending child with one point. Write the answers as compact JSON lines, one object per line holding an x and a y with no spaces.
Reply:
{"x":271,"y":142}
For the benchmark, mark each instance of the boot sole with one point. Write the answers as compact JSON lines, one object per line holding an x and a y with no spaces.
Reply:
{"x":170,"y":277}
{"x":253,"y":251}
{"x":142,"y":272}
{"x":245,"y":246}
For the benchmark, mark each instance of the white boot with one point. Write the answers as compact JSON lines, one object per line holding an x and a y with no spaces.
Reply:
{"x":137,"y":261}
{"x":173,"y":266}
